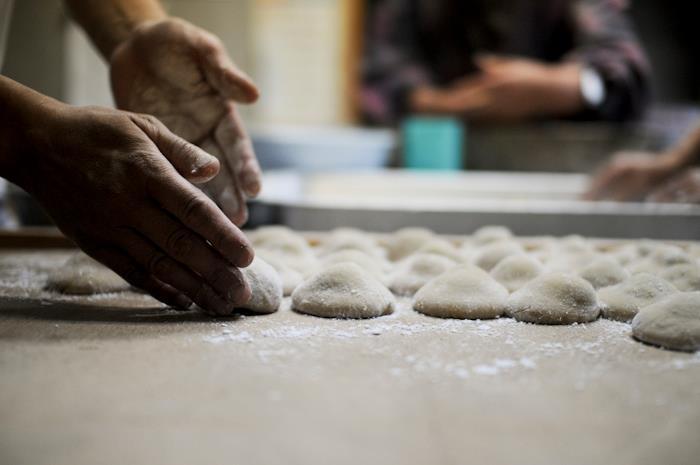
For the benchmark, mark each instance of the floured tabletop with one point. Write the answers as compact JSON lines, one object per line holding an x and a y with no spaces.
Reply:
{"x":117,"y":378}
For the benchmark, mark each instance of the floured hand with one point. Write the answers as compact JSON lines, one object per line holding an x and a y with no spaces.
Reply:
{"x":182,"y":75}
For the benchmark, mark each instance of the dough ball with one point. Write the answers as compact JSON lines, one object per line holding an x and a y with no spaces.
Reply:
{"x":622,"y":301}
{"x":673,"y":322}
{"x":555,"y":298}
{"x":575,"y":244}
{"x":441,"y":247}
{"x":569,"y":261}
{"x":343,"y":290}
{"x":685,"y":277}
{"x":415,"y":271}
{"x":668,"y":255}
{"x":265,"y":286}
{"x":491,"y":254}
{"x":81,"y":275}
{"x":285,"y":244}
{"x":487,"y":234}
{"x":351,"y":239}
{"x":463,"y":292}
{"x":515,"y":271}
{"x":375,"y":266}
{"x":406,"y":241}
{"x":603,"y":272}
{"x":290,"y":277}
{"x":625,"y":254}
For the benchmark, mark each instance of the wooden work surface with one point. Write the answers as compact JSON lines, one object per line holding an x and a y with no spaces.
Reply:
{"x":119,"y":379}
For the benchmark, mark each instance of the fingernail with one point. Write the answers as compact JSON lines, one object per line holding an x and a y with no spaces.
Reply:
{"x":182,"y":302}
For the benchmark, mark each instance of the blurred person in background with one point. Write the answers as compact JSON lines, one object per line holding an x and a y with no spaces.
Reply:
{"x":502,"y":60}
{"x":672,"y":176}
{"x":118,"y":183}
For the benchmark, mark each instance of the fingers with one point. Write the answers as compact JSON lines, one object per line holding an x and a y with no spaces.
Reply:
{"x":200,"y":214}
{"x":233,"y":139}
{"x":187,"y":248}
{"x":222,"y":74}
{"x":599,"y":187}
{"x":165,"y":269}
{"x":193,"y":163}
{"x":135,"y":275}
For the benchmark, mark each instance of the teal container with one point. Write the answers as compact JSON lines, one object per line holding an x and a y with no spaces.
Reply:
{"x":432,"y":143}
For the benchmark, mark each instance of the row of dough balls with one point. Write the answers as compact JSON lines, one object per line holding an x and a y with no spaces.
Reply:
{"x":490,"y":274}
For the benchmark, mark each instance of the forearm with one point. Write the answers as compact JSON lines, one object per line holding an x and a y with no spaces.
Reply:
{"x":109,"y":22}
{"x":26,"y":115}
{"x":686,"y":153}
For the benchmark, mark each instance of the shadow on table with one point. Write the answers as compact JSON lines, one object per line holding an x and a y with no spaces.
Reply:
{"x":39,"y":319}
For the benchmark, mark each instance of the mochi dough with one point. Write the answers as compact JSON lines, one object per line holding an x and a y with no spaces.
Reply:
{"x":672,"y":322}
{"x":622,"y":301}
{"x":463,"y":292}
{"x":487,"y":234}
{"x":406,"y":241}
{"x":685,"y":277}
{"x":555,"y":298}
{"x":343,"y":290}
{"x":81,"y":275}
{"x":265,"y":285}
{"x":515,"y":271}
{"x":491,"y":254}
{"x":290,"y":277}
{"x":603,"y":272}
{"x":415,"y":271}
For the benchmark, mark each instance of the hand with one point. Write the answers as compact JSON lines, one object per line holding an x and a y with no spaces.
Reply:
{"x":629,"y":176}
{"x":683,"y":188}
{"x":182,"y":75}
{"x":118,"y":184}
{"x":507,"y":90}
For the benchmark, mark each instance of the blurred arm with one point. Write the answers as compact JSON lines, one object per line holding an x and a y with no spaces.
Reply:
{"x":391,"y":68}
{"x":606,"y":43}
{"x":110,"y":22}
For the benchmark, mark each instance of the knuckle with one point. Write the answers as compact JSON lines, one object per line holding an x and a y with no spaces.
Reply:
{"x":158,"y":264}
{"x":180,"y":242}
{"x":194,"y":209}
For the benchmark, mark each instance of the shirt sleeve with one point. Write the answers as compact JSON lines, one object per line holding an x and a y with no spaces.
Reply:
{"x":606,"y":42}
{"x":391,"y":66}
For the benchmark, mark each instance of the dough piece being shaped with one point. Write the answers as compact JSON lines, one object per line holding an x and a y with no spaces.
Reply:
{"x":81,"y":275}
{"x":517,"y":270}
{"x":343,"y":290}
{"x":685,"y":277}
{"x":603,"y":272}
{"x":290,"y":277}
{"x":490,"y":255}
{"x":673,"y":322}
{"x":265,"y":286}
{"x":415,"y":271}
{"x":555,"y":299}
{"x":622,"y":301}
{"x":375,"y":266}
{"x":407,"y":241}
{"x":462,"y":292}
{"x":487,"y":234}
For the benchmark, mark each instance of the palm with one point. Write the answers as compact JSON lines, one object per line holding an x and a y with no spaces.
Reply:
{"x":181,"y":75}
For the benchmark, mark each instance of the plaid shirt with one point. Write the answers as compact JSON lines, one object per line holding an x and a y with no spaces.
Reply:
{"x":411,"y":43}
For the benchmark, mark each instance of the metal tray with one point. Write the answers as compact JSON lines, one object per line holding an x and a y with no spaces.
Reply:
{"x":459,"y":202}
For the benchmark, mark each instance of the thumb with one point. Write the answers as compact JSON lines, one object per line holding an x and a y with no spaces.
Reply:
{"x":193,"y":163}
{"x":229,"y":81}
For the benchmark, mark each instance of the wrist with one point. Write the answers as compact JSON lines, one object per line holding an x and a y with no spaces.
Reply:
{"x":563,"y":89}
{"x":32,"y":119}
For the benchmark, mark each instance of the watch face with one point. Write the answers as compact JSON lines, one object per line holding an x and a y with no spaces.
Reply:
{"x":592,"y":87}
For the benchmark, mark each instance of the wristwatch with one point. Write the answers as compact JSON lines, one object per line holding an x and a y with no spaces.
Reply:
{"x":592,"y":87}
